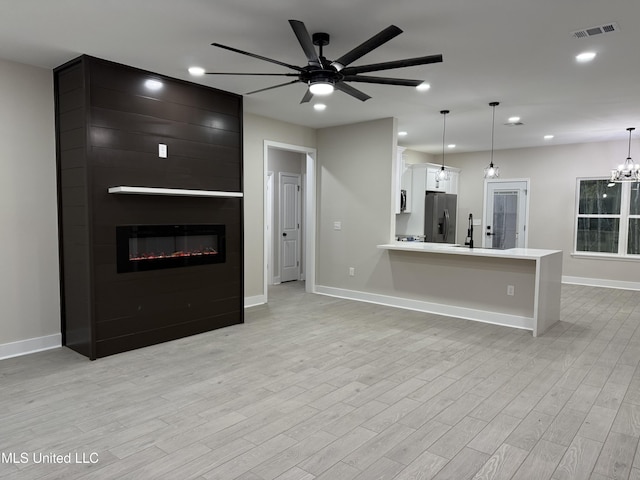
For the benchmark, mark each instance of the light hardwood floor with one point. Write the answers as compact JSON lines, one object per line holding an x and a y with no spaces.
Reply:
{"x":314,"y":387}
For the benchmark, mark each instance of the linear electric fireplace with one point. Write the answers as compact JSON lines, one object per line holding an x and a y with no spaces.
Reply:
{"x":151,"y":247}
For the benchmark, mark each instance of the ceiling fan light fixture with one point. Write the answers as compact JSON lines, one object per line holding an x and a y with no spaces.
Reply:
{"x":319,"y":107}
{"x":491,"y":171}
{"x":628,"y":171}
{"x":322,"y":87}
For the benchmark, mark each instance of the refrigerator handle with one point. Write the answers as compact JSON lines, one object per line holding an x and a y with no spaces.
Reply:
{"x":446,"y":224}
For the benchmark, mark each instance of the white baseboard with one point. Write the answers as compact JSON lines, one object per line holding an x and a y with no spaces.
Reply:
{"x":30,"y":345}
{"x":254,"y":301}
{"x":484,"y":316}
{"x":601,"y":282}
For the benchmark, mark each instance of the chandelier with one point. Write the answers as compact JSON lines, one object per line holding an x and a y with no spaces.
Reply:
{"x":626,"y":172}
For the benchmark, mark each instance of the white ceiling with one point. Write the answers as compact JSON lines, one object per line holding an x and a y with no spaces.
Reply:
{"x":518,"y":52}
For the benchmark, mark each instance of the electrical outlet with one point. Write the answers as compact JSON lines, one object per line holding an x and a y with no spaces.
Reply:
{"x":352,"y":272}
{"x":511,"y":290}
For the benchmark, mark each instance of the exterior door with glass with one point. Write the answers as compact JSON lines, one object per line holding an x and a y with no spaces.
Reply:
{"x":505,"y":214}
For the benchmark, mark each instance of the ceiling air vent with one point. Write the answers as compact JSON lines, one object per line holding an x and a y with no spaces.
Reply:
{"x":597,"y":30}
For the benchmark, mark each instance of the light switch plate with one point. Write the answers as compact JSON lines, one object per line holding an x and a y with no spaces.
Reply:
{"x":337,"y":225}
{"x":162,"y":150}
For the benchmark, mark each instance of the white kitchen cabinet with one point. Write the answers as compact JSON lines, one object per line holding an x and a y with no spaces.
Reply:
{"x":447,"y":186}
{"x":403,"y":181}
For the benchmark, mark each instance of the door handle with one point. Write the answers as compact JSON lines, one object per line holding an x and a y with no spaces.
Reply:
{"x":284,"y":234}
{"x":446,"y":224}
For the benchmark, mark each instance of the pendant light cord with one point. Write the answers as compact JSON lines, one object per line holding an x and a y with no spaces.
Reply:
{"x":630,"y":130}
{"x":444,"y":129}
{"x":493,"y":128}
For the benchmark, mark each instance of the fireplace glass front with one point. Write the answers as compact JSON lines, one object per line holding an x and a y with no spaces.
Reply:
{"x":152,"y":247}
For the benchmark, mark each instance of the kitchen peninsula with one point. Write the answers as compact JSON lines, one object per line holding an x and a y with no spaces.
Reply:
{"x":518,"y":287}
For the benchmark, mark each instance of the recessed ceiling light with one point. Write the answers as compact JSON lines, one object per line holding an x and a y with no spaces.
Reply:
{"x":451,"y":145}
{"x":196,"y":71}
{"x":548,"y":137}
{"x":423,"y":87}
{"x":402,"y":134}
{"x":319,"y":106}
{"x":513,"y":119}
{"x":586,"y":56}
{"x":153,"y":84}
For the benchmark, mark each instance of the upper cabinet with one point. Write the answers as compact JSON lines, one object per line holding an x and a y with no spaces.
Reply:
{"x":447,"y":186}
{"x":434,"y":184}
{"x":400,"y":184}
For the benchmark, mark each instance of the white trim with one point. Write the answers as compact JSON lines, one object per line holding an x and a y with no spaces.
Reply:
{"x":601,"y":282}
{"x":177,"y":192}
{"x":254,"y":301}
{"x":515,"y":321}
{"x":30,"y":345}
{"x":606,"y":256}
{"x":309,"y":215}
{"x":268,"y":226}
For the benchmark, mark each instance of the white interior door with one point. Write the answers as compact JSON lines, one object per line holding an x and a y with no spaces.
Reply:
{"x":505,"y":214}
{"x":289,"y":227}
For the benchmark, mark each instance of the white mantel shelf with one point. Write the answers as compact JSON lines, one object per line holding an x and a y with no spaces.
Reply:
{"x":176,"y":192}
{"x":475,"y":282}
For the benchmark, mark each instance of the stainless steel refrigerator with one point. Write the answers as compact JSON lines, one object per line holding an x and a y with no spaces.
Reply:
{"x":440,"y":217}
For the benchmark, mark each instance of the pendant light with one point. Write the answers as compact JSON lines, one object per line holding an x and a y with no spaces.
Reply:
{"x":443,"y":174}
{"x":627,"y":172}
{"x":492,"y":171}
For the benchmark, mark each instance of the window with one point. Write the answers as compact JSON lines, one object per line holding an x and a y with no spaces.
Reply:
{"x":608,"y":217}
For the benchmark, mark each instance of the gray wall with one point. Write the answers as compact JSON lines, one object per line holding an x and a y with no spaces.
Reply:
{"x":354,"y":188}
{"x":29,"y":282}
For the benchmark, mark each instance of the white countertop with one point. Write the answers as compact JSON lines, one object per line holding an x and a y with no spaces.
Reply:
{"x":451,"y":249}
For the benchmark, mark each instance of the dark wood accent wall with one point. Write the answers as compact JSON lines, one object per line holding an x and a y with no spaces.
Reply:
{"x":108,"y":128}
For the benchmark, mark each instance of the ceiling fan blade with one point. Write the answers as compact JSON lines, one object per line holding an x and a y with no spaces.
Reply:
{"x":259,"y":57}
{"x":349,"y":90}
{"x":307,"y":97}
{"x":271,"y":88}
{"x":305,"y":42}
{"x":264,"y":74}
{"x":407,"y":62}
{"x":374,"y":42}
{"x":382,"y":80}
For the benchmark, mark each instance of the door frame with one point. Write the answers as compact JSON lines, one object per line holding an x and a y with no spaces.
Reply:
{"x":527,"y":181}
{"x":309,"y":212}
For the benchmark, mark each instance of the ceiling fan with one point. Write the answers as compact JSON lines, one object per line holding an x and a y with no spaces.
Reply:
{"x":322,"y":75}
